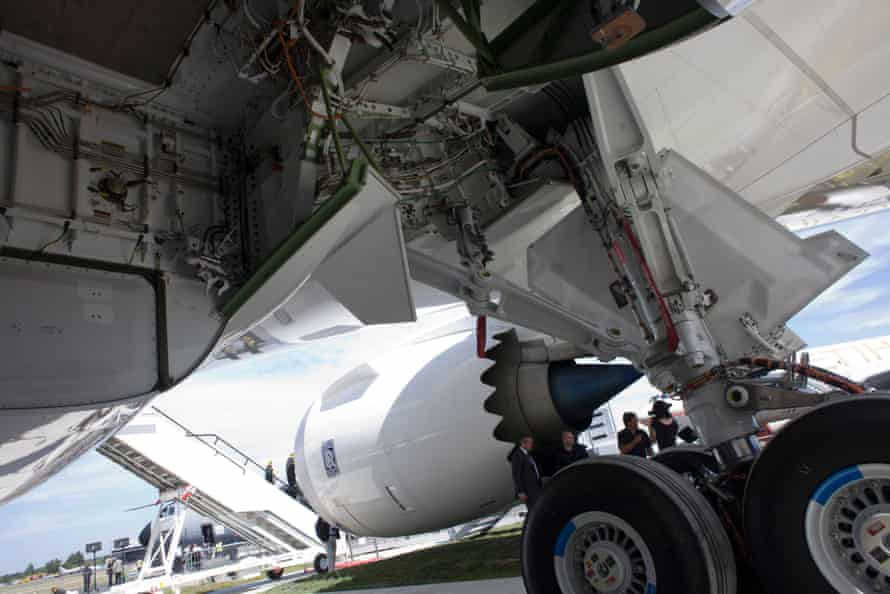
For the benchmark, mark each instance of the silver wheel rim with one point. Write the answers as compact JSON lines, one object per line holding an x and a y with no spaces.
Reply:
{"x":597,"y":552}
{"x":848,"y":528}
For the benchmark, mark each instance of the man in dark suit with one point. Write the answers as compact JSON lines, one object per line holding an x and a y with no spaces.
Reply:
{"x":526,"y":478}
{"x":570,"y":451}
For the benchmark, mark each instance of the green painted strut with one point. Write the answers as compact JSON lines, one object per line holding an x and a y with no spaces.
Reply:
{"x":646,"y":43}
{"x":351,"y":186}
{"x":473,"y":34}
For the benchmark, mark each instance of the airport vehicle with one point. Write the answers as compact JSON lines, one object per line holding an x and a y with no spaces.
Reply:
{"x":601,"y":173}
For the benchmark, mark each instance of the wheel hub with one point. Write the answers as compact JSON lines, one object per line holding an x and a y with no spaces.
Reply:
{"x":848,"y":528}
{"x":605,"y":568}
{"x":872,"y":536}
{"x":598,"y":552}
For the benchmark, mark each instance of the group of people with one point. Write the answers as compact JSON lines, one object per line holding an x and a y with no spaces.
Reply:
{"x":663,"y":430}
{"x":527,"y":476}
{"x":292,"y":488}
{"x":114,"y":569}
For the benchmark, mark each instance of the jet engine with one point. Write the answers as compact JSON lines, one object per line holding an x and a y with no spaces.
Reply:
{"x":539,"y":392}
{"x":402,"y":444}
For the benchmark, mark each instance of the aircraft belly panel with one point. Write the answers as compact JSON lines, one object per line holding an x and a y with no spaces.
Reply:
{"x":74,"y":336}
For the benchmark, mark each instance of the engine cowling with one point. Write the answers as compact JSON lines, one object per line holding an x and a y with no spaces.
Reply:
{"x":402,"y":445}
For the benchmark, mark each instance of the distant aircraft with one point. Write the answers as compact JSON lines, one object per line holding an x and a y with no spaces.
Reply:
{"x":201,"y":535}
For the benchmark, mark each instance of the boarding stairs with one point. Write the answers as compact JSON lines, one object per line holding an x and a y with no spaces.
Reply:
{"x":218,"y":480}
{"x":602,"y":435}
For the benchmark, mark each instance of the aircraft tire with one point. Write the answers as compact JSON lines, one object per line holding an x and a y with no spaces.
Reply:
{"x":817,"y":501}
{"x":275,"y":573}
{"x":320,"y":564}
{"x":639,"y":522}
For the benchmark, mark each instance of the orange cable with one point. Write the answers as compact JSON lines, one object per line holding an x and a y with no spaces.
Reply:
{"x":296,"y":78}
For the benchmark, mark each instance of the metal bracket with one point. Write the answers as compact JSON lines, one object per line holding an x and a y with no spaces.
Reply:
{"x":509,"y":302}
{"x":761,"y":397}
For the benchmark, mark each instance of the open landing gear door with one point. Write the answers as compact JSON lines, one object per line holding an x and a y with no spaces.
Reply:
{"x":757,"y":273}
{"x":353,"y":244}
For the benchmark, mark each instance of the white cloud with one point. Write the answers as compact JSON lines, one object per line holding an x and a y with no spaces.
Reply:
{"x":846,"y":298}
{"x":868,"y":319}
{"x":865,"y":231}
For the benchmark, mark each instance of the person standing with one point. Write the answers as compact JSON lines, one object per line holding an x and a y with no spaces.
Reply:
{"x":293,"y":489}
{"x":291,"y":471}
{"x":570,"y":451}
{"x":526,"y":477}
{"x":87,"y":577}
{"x":109,"y":570}
{"x":118,"y":567}
{"x":663,"y":427}
{"x":270,"y":473}
{"x":632,"y":440}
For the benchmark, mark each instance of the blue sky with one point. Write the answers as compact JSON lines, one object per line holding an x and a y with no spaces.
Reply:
{"x":85,"y":502}
{"x":856,"y":306}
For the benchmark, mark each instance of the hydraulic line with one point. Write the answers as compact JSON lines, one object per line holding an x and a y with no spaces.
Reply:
{"x":817,"y":373}
{"x":673,"y":338}
{"x":481,"y":336}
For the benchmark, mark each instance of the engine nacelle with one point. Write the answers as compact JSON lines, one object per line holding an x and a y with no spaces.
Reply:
{"x":403,"y":445}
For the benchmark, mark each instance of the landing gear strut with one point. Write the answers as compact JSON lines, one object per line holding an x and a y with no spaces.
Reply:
{"x":700,"y":294}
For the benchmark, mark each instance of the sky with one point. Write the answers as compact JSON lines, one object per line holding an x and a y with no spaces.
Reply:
{"x":264,"y":400}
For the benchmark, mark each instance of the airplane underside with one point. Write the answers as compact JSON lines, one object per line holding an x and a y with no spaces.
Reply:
{"x":300,"y":169}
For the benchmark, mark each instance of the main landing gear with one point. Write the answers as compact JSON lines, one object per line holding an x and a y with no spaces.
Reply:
{"x":811,"y":513}
{"x":628,"y":526}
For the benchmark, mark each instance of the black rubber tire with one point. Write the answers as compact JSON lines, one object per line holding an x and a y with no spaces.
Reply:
{"x":320,"y":564}
{"x":275,"y":573}
{"x":690,"y":549}
{"x":688,"y":459}
{"x":789,"y":470}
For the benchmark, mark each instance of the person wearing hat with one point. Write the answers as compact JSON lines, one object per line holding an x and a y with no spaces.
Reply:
{"x":663,"y":427}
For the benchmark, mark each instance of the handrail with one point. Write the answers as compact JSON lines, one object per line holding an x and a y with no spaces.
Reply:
{"x":217,"y":439}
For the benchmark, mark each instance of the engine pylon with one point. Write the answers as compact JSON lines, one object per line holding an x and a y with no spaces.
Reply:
{"x":543,"y":398}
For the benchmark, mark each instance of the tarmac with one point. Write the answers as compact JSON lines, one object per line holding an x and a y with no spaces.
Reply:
{"x":504,"y":586}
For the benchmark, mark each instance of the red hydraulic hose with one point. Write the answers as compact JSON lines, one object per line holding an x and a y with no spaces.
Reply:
{"x":817,"y":373}
{"x":481,"y":336}
{"x":673,"y":338}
